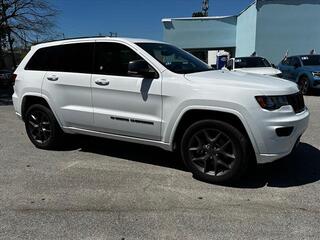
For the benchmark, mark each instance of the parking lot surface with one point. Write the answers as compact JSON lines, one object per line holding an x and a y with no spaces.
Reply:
{"x":102,"y":189}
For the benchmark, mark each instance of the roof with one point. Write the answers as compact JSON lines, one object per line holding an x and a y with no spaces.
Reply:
{"x":94,"y":38}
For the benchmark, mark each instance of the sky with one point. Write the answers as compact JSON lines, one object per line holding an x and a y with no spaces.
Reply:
{"x":131,"y":18}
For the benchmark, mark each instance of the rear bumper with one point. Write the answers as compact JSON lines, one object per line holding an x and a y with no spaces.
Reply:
{"x":15,"y":101}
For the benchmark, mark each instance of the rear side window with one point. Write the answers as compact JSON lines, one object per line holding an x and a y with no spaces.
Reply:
{"x":113,"y":59}
{"x":64,"y":58}
{"x":38,"y":60}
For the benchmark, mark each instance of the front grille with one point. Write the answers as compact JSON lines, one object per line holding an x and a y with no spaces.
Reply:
{"x":297,"y":102}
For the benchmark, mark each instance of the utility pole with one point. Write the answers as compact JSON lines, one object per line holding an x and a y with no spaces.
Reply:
{"x":204,"y":10}
{"x":205,"y":7}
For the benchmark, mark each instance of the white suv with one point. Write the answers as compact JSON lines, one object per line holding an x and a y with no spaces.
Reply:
{"x":153,"y":93}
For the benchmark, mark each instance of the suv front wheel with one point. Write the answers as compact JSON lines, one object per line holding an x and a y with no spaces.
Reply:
{"x":215,"y":151}
{"x":42,"y":127}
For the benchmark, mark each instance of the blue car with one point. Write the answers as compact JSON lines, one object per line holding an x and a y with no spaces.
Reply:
{"x":303,"y":70}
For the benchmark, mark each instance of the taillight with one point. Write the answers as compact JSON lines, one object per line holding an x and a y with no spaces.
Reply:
{"x":13,"y":78}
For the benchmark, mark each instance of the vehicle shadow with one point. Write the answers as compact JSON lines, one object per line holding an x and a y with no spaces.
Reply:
{"x":130,"y":151}
{"x":315,"y":93}
{"x":300,"y":168}
{"x":6,"y":96}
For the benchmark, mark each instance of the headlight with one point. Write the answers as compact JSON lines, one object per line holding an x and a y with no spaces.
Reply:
{"x":272,"y":102}
{"x":316,"y":74}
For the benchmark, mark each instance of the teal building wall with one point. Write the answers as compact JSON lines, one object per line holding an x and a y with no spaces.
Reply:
{"x":282,"y":25}
{"x":246,"y":32}
{"x":268,"y":27}
{"x":201,"y":32}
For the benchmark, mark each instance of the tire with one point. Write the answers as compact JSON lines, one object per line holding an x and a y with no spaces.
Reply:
{"x":304,"y":85}
{"x":215,"y":151}
{"x":42,"y":127}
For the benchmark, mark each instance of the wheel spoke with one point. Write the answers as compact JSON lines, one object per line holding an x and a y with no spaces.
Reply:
{"x":195,"y":149}
{"x":228,"y":155}
{"x":198,"y":140}
{"x":34,"y":124}
{"x":34,"y":118}
{"x":206,"y":164}
{"x":225,"y":145}
{"x":216,"y":137}
{"x":203,"y":158}
{"x":224,"y":164}
{"x":209,"y":140}
{"x":215,"y":165}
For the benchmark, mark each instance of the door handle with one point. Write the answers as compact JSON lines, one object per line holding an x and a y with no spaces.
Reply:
{"x":102,"y":82}
{"x":52,"y":78}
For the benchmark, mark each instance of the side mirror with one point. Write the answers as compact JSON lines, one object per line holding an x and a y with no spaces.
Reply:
{"x":272,"y":65}
{"x":296,"y":65}
{"x":140,"y":68}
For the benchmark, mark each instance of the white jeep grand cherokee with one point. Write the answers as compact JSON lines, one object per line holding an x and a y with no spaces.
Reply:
{"x":154,"y":93}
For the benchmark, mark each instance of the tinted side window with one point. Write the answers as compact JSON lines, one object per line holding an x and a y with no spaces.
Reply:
{"x":63,"y":58}
{"x":38,"y":61}
{"x":295,"y":62}
{"x":75,"y":58}
{"x":113,"y":59}
{"x":288,"y":61}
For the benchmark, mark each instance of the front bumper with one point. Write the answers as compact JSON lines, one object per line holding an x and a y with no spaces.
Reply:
{"x":316,"y":83}
{"x":271,"y":145}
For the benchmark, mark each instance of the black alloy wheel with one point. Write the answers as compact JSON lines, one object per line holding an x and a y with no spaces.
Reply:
{"x":215,"y":151}
{"x":42,"y":128}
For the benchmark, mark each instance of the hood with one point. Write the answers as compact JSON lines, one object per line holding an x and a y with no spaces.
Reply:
{"x":229,"y":79}
{"x":261,"y":70}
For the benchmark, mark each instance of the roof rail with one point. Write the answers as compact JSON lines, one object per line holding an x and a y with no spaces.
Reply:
{"x":71,"y":38}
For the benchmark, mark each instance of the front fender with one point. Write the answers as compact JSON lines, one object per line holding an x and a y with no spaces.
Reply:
{"x":232,"y":108}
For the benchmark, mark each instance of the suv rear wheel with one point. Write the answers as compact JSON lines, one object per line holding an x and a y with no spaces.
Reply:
{"x":215,"y":151}
{"x":42,"y":127}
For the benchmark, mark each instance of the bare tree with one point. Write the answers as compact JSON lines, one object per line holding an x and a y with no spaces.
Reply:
{"x":25,"y":22}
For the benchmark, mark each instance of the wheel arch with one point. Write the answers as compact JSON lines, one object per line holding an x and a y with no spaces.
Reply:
{"x":303,"y":74}
{"x":192,"y":115}
{"x":31,"y":99}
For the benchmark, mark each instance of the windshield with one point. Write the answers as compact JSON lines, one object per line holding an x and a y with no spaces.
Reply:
{"x":251,"y":62}
{"x":174,"y":59}
{"x":311,"y":60}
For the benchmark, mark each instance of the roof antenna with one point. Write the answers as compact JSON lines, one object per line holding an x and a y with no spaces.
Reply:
{"x":254,"y":54}
{"x":313,"y":52}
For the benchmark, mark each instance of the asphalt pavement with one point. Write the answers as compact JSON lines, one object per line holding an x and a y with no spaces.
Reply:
{"x":101,"y":189}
